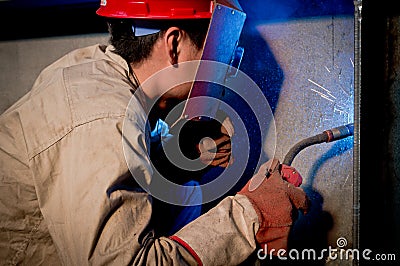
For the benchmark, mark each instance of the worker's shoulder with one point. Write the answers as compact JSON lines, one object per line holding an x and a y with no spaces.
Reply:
{"x":90,"y":82}
{"x":96,"y":84}
{"x":81,"y":87}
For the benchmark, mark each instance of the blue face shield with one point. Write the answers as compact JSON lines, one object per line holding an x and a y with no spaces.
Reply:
{"x":221,"y":47}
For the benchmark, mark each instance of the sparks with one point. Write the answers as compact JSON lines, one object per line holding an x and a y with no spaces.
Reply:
{"x":320,"y":86}
{"x":340,"y":98}
{"x":323,"y":95}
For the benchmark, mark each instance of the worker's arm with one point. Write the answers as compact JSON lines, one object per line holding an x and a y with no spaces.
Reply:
{"x":225,"y":235}
{"x":97,"y":213}
{"x":259,"y":215}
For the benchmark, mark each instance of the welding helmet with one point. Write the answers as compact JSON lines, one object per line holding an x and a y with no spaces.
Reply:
{"x":147,"y":15}
{"x":156,"y":9}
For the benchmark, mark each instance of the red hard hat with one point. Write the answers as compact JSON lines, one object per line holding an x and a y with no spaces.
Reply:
{"x":156,"y":9}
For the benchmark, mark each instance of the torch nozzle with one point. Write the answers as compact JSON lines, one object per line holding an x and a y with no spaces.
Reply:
{"x":329,"y":135}
{"x":339,"y":132}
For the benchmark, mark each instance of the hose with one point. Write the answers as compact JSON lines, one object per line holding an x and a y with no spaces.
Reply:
{"x":326,"y":136}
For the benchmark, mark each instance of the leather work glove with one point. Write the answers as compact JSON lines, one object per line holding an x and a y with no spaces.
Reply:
{"x":275,"y":201}
{"x":208,"y":140}
{"x":217,"y":151}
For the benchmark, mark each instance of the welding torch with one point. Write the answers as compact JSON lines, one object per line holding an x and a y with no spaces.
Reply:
{"x":329,"y":135}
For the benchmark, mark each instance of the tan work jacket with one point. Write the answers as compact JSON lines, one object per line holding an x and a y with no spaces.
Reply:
{"x":67,"y":196}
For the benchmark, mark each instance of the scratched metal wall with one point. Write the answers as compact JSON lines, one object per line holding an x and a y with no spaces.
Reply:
{"x":301,"y":53}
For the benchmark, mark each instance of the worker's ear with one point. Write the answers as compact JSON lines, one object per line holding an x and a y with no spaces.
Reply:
{"x":172,"y":38}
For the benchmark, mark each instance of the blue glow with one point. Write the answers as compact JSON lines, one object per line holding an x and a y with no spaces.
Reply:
{"x":273,"y":10}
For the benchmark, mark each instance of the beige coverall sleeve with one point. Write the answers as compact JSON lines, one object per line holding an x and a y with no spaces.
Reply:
{"x":95,"y":212}
{"x":225,"y":235}
{"x":98,"y":215}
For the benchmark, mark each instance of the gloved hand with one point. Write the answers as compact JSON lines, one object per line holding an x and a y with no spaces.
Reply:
{"x":217,"y":151}
{"x":275,"y":201}
{"x":208,"y":140}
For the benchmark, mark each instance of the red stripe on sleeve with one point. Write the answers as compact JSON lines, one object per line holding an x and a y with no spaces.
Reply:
{"x":188,"y":248}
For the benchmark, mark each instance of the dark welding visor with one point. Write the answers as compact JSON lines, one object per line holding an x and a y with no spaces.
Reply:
{"x":221,"y":45}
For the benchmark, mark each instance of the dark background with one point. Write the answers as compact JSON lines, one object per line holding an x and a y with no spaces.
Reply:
{"x":379,"y":135}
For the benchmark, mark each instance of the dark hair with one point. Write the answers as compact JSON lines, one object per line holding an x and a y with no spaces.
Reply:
{"x":135,"y":49}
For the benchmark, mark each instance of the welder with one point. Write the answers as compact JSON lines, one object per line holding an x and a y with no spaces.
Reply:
{"x":69,"y":193}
